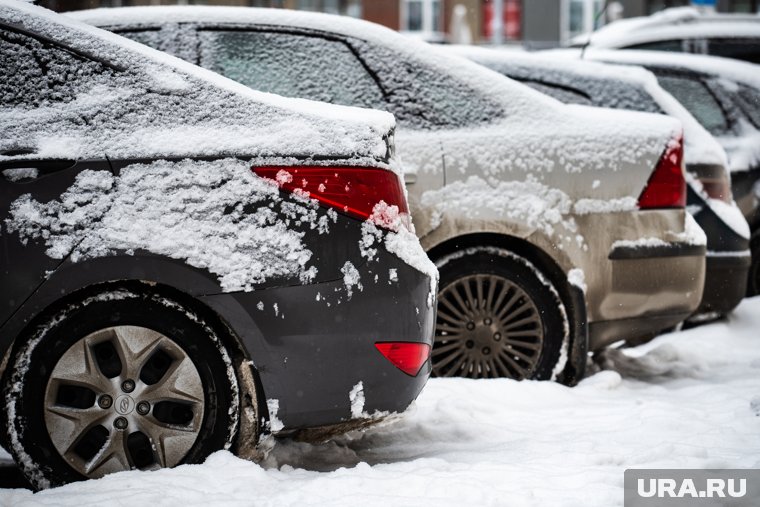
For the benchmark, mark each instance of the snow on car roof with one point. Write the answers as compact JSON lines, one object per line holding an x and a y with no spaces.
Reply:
{"x":700,"y":146}
{"x":675,"y":23}
{"x":743,"y":149}
{"x":222,"y":116}
{"x":728,"y":68}
{"x":371,"y":32}
{"x":531,"y":131}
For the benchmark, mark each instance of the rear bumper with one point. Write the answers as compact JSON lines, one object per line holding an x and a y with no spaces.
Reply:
{"x":728,"y":259}
{"x":651,"y":288}
{"x":725,"y":281}
{"x":315,"y":348}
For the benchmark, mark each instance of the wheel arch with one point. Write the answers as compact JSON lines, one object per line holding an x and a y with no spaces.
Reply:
{"x":572,"y":297}
{"x":79,"y":280}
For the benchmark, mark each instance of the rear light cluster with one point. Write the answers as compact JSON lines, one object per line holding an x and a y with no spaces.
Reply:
{"x":406,"y":356}
{"x":366,"y":193}
{"x":666,"y":187}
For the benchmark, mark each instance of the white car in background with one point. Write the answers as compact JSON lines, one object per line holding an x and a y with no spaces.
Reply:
{"x":724,"y":96}
{"x":634,"y":88}
{"x":683,"y":30}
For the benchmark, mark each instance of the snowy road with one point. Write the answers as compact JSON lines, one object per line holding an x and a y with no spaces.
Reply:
{"x":691,"y":399}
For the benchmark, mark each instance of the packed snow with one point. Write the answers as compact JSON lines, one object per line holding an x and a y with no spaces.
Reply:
{"x":215,"y":215}
{"x":686,"y":400}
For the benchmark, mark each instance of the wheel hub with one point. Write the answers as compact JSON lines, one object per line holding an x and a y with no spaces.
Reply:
{"x":122,"y":398}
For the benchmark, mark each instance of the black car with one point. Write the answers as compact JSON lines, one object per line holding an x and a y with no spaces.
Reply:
{"x":187,"y":263}
{"x":709,"y":196}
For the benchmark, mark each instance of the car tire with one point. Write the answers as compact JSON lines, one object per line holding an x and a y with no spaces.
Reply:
{"x":498,"y":316}
{"x":120,"y":379}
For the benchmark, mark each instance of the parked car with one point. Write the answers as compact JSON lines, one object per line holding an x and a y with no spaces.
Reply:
{"x":633,"y":88}
{"x":724,"y":96}
{"x":188,"y":262}
{"x":522,"y":202}
{"x":682,"y":30}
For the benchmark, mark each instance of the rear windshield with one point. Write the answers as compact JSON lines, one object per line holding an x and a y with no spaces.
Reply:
{"x":675,"y":45}
{"x":697,"y":98}
{"x":291,"y":65}
{"x":748,"y":99}
{"x":747,"y":49}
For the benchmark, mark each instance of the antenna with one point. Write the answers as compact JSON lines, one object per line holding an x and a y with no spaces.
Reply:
{"x":596,"y":21}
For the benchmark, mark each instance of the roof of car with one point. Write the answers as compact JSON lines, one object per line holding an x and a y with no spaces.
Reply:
{"x":674,"y":23}
{"x":727,"y":68}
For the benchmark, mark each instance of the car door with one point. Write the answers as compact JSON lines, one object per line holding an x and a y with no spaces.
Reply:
{"x":37,"y":162}
{"x":327,"y":68}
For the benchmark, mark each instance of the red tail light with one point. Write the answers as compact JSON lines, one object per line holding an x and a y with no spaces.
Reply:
{"x":666,"y":187}
{"x":361,"y":192}
{"x":407,"y":357}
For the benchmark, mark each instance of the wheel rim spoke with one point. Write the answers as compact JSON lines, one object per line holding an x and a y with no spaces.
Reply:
{"x":486,"y":327}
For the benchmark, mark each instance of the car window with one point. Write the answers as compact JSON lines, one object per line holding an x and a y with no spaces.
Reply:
{"x":36,"y":73}
{"x":698,"y":99}
{"x":292,"y":65}
{"x":661,"y":45}
{"x":747,"y":49}
{"x":176,"y":39}
{"x":576,"y":88}
{"x":561,"y":93}
{"x":748,"y":99}
{"x":424,"y":97}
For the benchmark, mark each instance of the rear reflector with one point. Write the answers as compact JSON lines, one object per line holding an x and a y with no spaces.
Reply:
{"x":362,"y":192}
{"x":666,"y":187}
{"x":407,"y":357}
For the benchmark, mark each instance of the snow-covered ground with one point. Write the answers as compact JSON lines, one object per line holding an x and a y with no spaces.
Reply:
{"x":686,"y":400}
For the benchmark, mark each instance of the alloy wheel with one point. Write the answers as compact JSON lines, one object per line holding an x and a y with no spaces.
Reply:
{"x":486,"y":327}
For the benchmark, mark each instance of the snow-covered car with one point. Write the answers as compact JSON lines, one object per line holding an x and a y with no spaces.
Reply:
{"x":723,"y":95}
{"x":522,"y":202}
{"x":187,"y":263}
{"x":634,"y":88}
{"x":682,"y":30}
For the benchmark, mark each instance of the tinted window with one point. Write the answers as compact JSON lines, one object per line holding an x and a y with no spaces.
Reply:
{"x":291,"y":65}
{"x":749,"y":101}
{"x":698,"y":99}
{"x":661,"y":45}
{"x":561,"y":93}
{"x":36,"y":73}
{"x":579,"y":88}
{"x":423,"y":97}
{"x":741,"y":49}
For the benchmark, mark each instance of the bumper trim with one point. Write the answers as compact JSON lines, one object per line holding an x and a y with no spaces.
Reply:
{"x":657,"y":251}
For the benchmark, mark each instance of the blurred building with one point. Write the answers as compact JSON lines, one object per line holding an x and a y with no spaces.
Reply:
{"x":535,"y":23}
